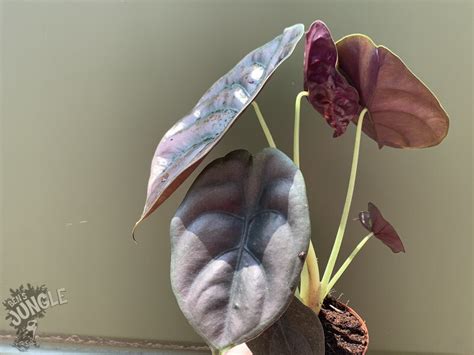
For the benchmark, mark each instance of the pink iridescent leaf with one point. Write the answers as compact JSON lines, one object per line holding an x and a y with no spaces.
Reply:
{"x":185,"y":145}
{"x":403,"y":112}
{"x":374,"y":222}
{"x":329,"y":92}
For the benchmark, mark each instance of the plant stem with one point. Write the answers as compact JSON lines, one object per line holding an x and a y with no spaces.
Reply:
{"x":296,"y":131}
{"x":345,"y":212}
{"x":310,"y":285}
{"x":304,"y":284}
{"x":265,"y":129}
{"x":344,"y":266}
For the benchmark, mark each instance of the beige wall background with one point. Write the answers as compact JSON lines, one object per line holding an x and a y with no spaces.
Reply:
{"x":90,"y":87}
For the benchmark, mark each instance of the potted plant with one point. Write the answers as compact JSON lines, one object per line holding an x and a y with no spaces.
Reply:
{"x":243,"y":268}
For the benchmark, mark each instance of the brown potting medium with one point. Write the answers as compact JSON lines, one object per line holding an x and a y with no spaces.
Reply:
{"x":344,"y":330}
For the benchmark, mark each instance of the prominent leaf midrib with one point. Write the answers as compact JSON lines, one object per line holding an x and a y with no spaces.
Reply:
{"x":241,"y":248}
{"x":250,"y":252}
{"x":241,"y":245}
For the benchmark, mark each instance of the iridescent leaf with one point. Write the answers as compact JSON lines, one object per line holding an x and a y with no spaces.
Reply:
{"x":185,"y":145}
{"x":403,"y":112}
{"x":298,"y":331}
{"x":329,"y":92}
{"x":374,"y":222}
{"x":235,"y":243}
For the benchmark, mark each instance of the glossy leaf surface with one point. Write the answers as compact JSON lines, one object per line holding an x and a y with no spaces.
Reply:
{"x":329,"y":92}
{"x":374,"y":222}
{"x":235,"y":243}
{"x":403,"y":112}
{"x":298,"y":331}
{"x":185,"y":145}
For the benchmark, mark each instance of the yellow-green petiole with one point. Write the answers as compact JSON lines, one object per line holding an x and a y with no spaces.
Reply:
{"x":345,"y":212}
{"x":265,"y":128}
{"x":346,"y":263}
{"x":309,"y":286}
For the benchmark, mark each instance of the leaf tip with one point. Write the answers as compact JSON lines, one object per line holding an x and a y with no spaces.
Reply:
{"x":134,"y":228}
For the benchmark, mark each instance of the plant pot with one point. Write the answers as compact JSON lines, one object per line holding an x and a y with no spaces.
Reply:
{"x":345,"y":331}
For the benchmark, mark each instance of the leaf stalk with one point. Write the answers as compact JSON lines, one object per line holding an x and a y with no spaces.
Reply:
{"x":345,"y":212}
{"x":349,"y":259}
{"x":296,"y":131}
{"x":310,"y":285}
{"x":264,"y":125}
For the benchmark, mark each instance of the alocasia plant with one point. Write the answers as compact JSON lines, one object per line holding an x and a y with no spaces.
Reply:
{"x":243,"y":267}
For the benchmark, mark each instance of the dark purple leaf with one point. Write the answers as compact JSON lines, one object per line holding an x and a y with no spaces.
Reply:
{"x":403,"y":112}
{"x":235,"y":241}
{"x":185,"y":145}
{"x":329,"y":92}
{"x":298,"y":331}
{"x":374,"y":222}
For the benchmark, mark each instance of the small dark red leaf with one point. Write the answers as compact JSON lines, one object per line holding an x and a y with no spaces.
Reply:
{"x":374,"y":221}
{"x":329,"y":92}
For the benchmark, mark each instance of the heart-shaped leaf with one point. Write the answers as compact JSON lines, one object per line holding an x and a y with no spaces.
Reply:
{"x":185,"y":145}
{"x":329,"y":92}
{"x":403,"y":112}
{"x":235,"y":241}
{"x":374,"y":222}
{"x":298,"y":331}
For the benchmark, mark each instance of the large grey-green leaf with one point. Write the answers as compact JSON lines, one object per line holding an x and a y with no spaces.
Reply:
{"x":235,"y":243}
{"x":185,"y":145}
{"x":298,"y":331}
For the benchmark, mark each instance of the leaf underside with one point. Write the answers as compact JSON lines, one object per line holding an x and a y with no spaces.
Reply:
{"x":298,"y":331}
{"x":235,"y":241}
{"x":185,"y":145}
{"x":403,"y":112}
